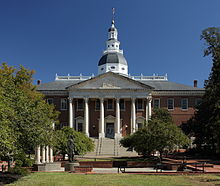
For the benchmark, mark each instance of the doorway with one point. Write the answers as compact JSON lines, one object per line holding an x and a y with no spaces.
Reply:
{"x":110,"y":132}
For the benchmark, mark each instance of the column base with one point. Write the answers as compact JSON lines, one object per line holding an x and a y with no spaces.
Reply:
{"x":87,"y":134}
{"x":118,"y":135}
{"x":101,"y":135}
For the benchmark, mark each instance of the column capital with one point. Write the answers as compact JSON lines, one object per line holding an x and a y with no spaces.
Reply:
{"x":149,"y":98}
{"x":101,"y":99}
{"x":117,"y":99}
{"x":70,"y":99}
{"x":86,"y":99}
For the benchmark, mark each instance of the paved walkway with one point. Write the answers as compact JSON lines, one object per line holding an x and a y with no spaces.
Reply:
{"x":132,"y":170}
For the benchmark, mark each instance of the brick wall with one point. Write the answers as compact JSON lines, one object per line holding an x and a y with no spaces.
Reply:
{"x":177,"y":113}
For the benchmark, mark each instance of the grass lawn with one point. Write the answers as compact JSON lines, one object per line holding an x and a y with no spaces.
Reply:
{"x":65,"y":179}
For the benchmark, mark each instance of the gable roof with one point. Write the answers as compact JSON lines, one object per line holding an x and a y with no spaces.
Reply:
{"x":62,"y":85}
{"x":110,"y":80}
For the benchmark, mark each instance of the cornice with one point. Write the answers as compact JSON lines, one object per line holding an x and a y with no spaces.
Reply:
{"x":178,"y":93}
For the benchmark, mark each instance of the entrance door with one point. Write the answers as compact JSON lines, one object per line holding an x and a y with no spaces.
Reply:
{"x":109,"y":130}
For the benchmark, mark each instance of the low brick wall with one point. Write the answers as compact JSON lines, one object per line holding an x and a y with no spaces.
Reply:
{"x":97,"y":164}
{"x":83,"y":169}
{"x":140,"y":164}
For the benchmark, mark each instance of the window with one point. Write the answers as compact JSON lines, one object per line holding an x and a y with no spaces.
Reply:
{"x":140,"y":126}
{"x":112,"y":67}
{"x":156,"y":103}
{"x":80,"y":104}
{"x":112,"y":45}
{"x":110,"y":105}
{"x":102,"y":68}
{"x":123,"y":68}
{"x":198,"y":101}
{"x":122,"y":104}
{"x":50,"y":101}
{"x":140,"y":104}
{"x":184,"y":104}
{"x":63,"y":104}
{"x":80,"y":127}
{"x":170,"y":103}
{"x":97,"y":104}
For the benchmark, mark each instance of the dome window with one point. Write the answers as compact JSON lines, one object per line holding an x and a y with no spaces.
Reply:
{"x":102,"y":68}
{"x":112,"y":45}
{"x":123,"y":68}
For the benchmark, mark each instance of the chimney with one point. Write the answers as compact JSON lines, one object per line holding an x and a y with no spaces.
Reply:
{"x":38,"y":82}
{"x":195,"y":83}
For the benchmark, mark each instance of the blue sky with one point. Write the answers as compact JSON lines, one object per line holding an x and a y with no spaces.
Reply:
{"x":68,"y":36}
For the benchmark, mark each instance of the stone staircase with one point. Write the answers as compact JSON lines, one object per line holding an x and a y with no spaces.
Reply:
{"x":109,"y":147}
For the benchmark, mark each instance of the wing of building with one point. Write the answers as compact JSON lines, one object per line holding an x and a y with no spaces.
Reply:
{"x":113,"y":103}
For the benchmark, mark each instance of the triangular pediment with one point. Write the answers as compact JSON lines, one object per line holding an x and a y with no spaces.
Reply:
{"x":110,"y":80}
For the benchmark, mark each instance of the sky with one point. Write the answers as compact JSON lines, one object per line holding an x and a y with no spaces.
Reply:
{"x":68,"y":36}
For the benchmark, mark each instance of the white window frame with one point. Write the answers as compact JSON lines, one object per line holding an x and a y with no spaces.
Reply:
{"x":61,"y":103}
{"x":77,"y":106}
{"x":122,"y":109}
{"x":110,"y":109}
{"x":168,"y":103}
{"x":99,"y":104}
{"x":187,"y":104}
{"x":49,"y":99}
{"x":139,"y":109}
{"x":158,"y":103}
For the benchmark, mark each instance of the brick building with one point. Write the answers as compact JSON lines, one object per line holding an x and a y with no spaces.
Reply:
{"x":114,"y":103}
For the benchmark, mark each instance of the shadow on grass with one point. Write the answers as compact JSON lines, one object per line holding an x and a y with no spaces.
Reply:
{"x":7,"y":178}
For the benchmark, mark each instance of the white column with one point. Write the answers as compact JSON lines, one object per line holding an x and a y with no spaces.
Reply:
{"x":149,"y":107}
{"x":133,"y":116}
{"x":86,"y":117}
{"x":47,"y":154}
{"x":147,"y":110}
{"x":43,"y":154}
{"x":37,"y":155}
{"x":118,"y":119}
{"x":101,"y":120}
{"x":70,"y":113}
{"x":51,"y":155}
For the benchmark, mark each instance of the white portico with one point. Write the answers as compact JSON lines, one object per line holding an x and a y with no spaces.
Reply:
{"x":108,"y":86}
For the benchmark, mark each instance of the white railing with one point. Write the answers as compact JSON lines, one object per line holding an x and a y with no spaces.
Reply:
{"x":141,"y":77}
{"x":149,"y":78}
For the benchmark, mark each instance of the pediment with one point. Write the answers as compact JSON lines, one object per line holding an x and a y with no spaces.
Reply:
{"x":110,"y":80}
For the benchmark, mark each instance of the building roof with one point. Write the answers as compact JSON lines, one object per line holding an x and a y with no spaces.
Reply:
{"x":115,"y":57}
{"x":168,"y":85}
{"x":158,"y":85}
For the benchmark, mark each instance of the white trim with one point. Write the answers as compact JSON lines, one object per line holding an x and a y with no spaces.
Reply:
{"x":124,"y":105}
{"x":168,"y":104}
{"x":79,"y":119}
{"x":154,"y":101}
{"x":187,"y":104}
{"x":99,"y":105}
{"x":142,"y":109}
{"x":112,"y":104}
{"x":81,"y":109}
{"x":62,"y":99}
{"x":140,"y":119}
{"x":47,"y":99}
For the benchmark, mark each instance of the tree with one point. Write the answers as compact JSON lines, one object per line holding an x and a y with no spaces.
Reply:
{"x":26,"y":119}
{"x":82,"y":143}
{"x":205,"y":126}
{"x":159,"y":134}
